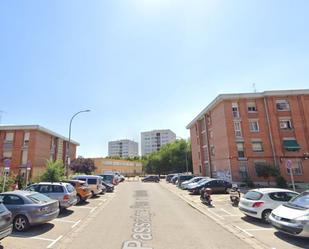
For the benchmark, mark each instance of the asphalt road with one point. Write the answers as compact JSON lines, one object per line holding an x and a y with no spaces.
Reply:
{"x":146,"y":215}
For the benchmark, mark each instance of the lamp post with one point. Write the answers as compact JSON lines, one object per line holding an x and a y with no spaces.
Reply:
{"x":68,"y":161}
{"x":186,"y":156}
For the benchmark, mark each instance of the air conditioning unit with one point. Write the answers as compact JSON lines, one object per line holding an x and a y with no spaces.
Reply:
{"x":283,"y":125}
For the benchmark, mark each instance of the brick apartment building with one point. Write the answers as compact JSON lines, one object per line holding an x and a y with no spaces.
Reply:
{"x":237,"y":132}
{"x":30,"y":146}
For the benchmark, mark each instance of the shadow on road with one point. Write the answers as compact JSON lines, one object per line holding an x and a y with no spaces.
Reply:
{"x":256,"y":221}
{"x":82,"y":203}
{"x":296,"y":241}
{"x":34,"y":231}
{"x":65,"y":213}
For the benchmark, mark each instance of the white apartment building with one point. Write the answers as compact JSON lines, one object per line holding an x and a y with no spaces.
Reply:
{"x":123,"y":148}
{"x":153,"y":140}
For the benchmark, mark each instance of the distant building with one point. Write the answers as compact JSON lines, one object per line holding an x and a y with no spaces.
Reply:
{"x":153,"y":140}
{"x":30,"y":146}
{"x":124,"y":167}
{"x":123,"y":148}
{"x":236,"y":133}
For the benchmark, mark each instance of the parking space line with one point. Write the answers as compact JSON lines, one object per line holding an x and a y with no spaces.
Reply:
{"x":62,"y":220}
{"x":222,"y":209}
{"x":244,"y":231}
{"x":55,"y":241}
{"x":34,"y":237}
{"x":259,"y":229}
{"x":76,"y":223}
{"x":92,"y":210}
{"x":84,"y":207}
{"x":219,"y":216}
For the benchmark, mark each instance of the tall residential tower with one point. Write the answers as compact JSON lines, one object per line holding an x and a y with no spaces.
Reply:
{"x":123,"y":148}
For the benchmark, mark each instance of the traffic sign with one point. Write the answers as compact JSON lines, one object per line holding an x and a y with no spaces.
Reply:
{"x":7,"y":163}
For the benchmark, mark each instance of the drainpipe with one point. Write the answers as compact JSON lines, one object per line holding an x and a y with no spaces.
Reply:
{"x":269,"y":132}
{"x":208,"y":151}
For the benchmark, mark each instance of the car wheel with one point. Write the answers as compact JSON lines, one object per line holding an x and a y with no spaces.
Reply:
{"x":21,"y":223}
{"x":265,"y":216}
{"x":78,"y":199}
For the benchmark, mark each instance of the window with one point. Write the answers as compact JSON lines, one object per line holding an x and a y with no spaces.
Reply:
{"x":254,"y":125}
{"x":240,"y":149}
{"x":237,"y":129}
{"x":235,"y":110}
{"x":257,"y":146}
{"x":200,"y":168}
{"x":26,"y":138}
{"x":285,"y":124}
{"x":251,"y":107}
{"x":297,"y":168}
{"x":253,"y":195}
{"x":39,"y":198}
{"x":57,"y":189}
{"x":12,"y":200}
{"x":212,"y":150}
{"x":243,"y":171}
{"x":290,"y":144}
{"x":92,"y":181}
{"x":46,"y":189}
{"x":24,"y":157}
{"x":282,"y":196}
{"x":7,"y":154}
{"x":282,"y":105}
{"x":70,"y":188}
{"x":199,"y":155}
{"x":9,"y":137}
{"x":203,"y":125}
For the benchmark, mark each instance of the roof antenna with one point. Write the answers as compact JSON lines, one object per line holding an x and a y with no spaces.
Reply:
{"x":254,"y":88}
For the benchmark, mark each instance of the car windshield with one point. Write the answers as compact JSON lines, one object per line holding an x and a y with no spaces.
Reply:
{"x":39,"y":198}
{"x":301,"y":201}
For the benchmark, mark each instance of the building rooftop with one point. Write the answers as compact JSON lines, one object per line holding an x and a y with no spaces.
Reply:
{"x":231,"y":96}
{"x":34,"y":127}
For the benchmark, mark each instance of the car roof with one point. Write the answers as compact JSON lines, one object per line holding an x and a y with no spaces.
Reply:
{"x":73,"y":180}
{"x":86,"y":176}
{"x":19,"y":192}
{"x":271,"y":190}
{"x":53,"y":183}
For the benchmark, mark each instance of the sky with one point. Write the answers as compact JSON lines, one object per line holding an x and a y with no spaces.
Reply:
{"x":140,"y":65}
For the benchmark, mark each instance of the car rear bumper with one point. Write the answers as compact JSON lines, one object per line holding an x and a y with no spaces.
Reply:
{"x":43,"y":218}
{"x":6,"y":231}
{"x":67,"y":204}
{"x":86,"y":196}
{"x":248,"y":211}
{"x":290,"y":228}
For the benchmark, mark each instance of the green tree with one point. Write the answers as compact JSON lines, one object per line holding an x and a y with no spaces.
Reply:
{"x":266,"y":171}
{"x":54,"y":171}
{"x":170,"y":158}
{"x":83,"y":165}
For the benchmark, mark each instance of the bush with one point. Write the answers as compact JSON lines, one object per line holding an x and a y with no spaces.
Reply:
{"x":9,"y":183}
{"x":54,"y":171}
{"x":281,"y":182}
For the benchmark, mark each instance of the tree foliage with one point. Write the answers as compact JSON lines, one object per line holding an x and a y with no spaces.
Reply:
{"x":266,"y":171}
{"x":82,"y":165}
{"x":54,"y":171}
{"x":170,"y":158}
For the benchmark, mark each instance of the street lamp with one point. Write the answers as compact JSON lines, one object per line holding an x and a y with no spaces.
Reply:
{"x":186,"y":156}
{"x":68,"y":156}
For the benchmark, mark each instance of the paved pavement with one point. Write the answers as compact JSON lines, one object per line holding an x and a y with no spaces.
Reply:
{"x":146,"y":216}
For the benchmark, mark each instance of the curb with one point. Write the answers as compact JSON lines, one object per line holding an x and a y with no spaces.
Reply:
{"x":251,"y":241}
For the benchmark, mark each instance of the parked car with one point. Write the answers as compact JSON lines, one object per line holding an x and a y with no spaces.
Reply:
{"x":82,"y":190}
{"x":175,"y":179}
{"x":109,"y":178}
{"x":61,"y":191}
{"x":109,"y":187}
{"x":6,"y":225}
{"x":193,"y":185}
{"x":217,"y":186}
{"x":29,"y":208}
{"x":293,"y":217}
{"x":93,"y":182}
{"x":260,"y":202}
{"x":185,"y":184}
{"x":182,"y":178}
{"x":169,"y":177}
{"x":151,"y":179}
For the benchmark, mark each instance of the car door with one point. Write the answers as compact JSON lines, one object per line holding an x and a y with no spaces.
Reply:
{"x":57,"y":192}
{"x":13,"y":203}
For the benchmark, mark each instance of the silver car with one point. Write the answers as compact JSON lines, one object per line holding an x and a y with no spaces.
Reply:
{"x":293,"y":217}
{"x":63,"y":192}
{"x":6,"y":225}
{"x":29,"y":208}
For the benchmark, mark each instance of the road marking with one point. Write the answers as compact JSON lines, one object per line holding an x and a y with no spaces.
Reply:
{"x":62,"y":220}
{"x":222,"y":209}
{"x":219,"y":216}
{"x":259,"y":229}
{"x":76,"y":223}
{"x":84,"y":207}
{"x":244,"y":231}
{"x":55,"y":241}
{"x":92,"y":210}
{"x":34,"y":237}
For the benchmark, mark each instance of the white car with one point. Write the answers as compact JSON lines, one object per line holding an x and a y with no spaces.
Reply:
{"x":293,"y":217}
{"x":194,"y":184}
{"x":184,"y":185}
{"x":260,"y":202}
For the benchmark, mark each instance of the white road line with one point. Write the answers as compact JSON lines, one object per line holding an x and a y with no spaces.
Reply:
{"x":62,"y":220}
{"x":84,"y":207}
{"x":232,"y":215}
{"x":76,"y":223}
{"x":244,"y":231}
{"x":225,"y":211}
{"x":92,"y":210}
{"x":259,"y":229}
{"x":34,"y":237}
{"x":55,"y":241}
{"x":219,"y":216}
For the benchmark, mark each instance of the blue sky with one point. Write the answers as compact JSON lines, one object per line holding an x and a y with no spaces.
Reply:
{"x":142,"y":64}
